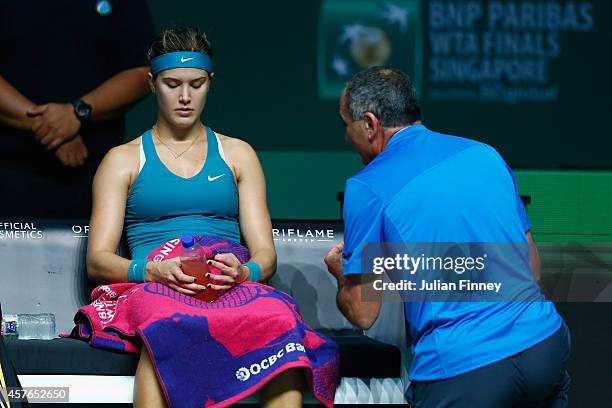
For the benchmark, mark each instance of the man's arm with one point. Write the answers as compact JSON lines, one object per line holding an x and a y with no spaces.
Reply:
{"x":356,"y":298}
{"x":534,"y":258}
{"x":118,"y":92}
{"x":58,"y":122}
{"x":363,"y":215}
{"x":13,"y":106}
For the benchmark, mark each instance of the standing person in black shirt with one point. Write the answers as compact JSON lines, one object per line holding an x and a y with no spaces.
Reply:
{"x":68,"y":71}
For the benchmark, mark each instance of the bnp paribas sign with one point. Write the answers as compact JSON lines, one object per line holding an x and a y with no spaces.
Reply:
{"x":357,"y":34}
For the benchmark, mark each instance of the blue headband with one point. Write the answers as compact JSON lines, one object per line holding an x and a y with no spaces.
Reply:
{"x":181,"y":59}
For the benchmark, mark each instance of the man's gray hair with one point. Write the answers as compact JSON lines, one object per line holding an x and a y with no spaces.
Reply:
{"x":388,"y":93}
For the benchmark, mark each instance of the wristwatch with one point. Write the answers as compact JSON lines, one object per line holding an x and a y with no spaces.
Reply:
{"x":82,"y":110}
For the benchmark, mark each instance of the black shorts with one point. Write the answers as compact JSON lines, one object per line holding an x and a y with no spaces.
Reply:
{"x":535,"y":377}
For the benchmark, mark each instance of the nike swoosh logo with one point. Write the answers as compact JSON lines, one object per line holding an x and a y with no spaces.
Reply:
{"x":216,"y":177}
{"x":186,"y":59}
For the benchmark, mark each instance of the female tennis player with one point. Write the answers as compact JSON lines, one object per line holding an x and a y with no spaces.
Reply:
{"x":181,"y":178}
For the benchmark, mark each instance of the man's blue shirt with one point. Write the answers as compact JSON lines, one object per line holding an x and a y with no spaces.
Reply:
{"x":429,"y":187}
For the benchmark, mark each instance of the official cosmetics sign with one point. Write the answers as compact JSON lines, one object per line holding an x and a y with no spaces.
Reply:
{"x":20,"y":230}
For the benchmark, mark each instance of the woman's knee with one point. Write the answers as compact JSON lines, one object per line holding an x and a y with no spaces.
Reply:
{"x":147,"y":390}
{"x":145,"y":365}
{"x":285,"y":389}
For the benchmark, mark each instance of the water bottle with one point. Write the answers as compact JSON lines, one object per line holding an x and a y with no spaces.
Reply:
{"x":190,"y":248}
{"x":193,"y":263}
{"x":36,"y":326}
{"x":29,"y":326}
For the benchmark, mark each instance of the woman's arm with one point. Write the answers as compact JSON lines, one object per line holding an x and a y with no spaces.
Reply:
{"x":255,"y":223}
{"x":110,"y":190}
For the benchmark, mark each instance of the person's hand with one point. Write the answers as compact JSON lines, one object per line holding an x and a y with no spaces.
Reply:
{"x":233,"y":271}
{"x":34,"y":122}
{"x":58,"y":123}
{"x":72,"y":153}
{"x":169,"y":273}
{"x":333,"y":260}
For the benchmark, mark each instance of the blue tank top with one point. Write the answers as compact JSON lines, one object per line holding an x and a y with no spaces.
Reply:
{"x":162,"y":206}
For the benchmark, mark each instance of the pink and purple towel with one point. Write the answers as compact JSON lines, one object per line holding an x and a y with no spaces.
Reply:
{"x":210,"y":354}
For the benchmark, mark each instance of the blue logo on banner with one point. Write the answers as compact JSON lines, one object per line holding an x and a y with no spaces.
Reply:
{"x":104,"y":8}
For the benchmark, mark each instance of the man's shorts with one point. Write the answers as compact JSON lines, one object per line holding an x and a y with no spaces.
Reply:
{"x":535,"y":377}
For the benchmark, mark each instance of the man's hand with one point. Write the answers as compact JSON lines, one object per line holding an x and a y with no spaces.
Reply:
{"x":333,"y":260}
{"x":58,"y":123}
{"x":72,"y":153}
{"x":356,"y":299}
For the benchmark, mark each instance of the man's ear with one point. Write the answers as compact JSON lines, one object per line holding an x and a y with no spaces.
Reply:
{"x":372,"y":124}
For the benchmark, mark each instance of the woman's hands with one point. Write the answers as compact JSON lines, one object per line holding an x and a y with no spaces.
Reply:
{"x":169,"y":273}
{"x":233,"y":271}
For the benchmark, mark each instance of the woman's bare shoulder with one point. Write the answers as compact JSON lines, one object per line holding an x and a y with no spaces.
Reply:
{"x":123,"y":159}
{"x":234,"y":145}
{"x":240,"y":155}
{"x":129,"y":151}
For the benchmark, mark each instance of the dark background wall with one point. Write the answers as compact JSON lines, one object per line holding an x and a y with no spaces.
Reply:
{"x":274,"y":88}
{"x":273,"y":58}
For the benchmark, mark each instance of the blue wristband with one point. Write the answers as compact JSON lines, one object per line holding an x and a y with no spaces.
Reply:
{"x":255,"y":271}
{"x":137,"y":273}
